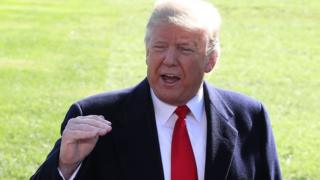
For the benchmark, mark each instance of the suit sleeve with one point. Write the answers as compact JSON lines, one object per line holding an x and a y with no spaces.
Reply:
{"x":48,"y":170}
{"x":271,"y":168}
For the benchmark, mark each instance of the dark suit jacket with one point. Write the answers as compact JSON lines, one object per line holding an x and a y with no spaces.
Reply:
{"x":240,"y":144}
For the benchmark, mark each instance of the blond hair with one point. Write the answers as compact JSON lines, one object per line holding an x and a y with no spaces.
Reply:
{"x":190,"y":14}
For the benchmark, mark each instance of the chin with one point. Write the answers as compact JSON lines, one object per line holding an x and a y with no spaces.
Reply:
{"x":172,"y":100}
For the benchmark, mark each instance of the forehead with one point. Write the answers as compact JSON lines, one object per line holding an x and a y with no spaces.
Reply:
{"x":170,"y":33}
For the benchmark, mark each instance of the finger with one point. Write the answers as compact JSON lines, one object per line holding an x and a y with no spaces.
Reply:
{"x":88,"y":127}
{"x":96,"y":117}
{"x":84,"y":127}
{"x":80,"y":135}
{"x":88,"y":121}
{"x":100,"y":118}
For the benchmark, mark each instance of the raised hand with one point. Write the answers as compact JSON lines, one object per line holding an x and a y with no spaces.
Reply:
{"x":78,"y":140}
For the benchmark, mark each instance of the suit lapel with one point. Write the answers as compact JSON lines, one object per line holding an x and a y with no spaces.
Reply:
{"x":221,"y":136}
{"x":141,"y":157}
{"x":137,"y":132}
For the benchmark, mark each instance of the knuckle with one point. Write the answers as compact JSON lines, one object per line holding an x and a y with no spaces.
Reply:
{"x":65,"y":132}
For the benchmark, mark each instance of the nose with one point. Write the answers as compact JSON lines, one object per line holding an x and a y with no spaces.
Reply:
{"x":170,"y":58}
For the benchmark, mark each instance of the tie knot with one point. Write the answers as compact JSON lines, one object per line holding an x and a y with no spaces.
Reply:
{"x":182,"y":111}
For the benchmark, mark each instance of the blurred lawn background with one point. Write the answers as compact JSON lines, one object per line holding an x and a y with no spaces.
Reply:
{"x":53,"y":53}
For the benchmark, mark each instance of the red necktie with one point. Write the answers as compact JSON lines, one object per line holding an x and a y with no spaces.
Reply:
{"x":183,"y":165}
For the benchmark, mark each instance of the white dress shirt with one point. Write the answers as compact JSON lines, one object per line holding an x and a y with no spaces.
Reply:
{"x":196,"y":123}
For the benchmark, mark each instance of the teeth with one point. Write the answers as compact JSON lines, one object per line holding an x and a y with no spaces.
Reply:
{"x":170,"y":78}
{"x":170,"y":75}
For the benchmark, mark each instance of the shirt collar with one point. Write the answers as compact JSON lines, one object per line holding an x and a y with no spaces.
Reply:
{"x":196,"y":105}
{"x":163,"y":111}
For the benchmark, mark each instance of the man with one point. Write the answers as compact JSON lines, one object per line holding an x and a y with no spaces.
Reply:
{"x":172,"y":125}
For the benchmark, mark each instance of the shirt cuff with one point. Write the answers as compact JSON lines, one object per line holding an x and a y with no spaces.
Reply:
{"x":73,"y":175}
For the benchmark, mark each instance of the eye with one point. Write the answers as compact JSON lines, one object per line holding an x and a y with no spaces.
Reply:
{"x":158,"y":47}
{"x":186,"y":50}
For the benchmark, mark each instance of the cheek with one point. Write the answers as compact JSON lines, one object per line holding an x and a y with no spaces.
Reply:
{"x":149,"y":59}
{"x":193,"y":70}
{"x":153,"y":60}
{"x":193,"y":65}
{"x":152,"y":65}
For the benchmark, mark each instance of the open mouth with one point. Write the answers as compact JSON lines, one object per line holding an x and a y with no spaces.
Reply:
{"x":170,"y":78}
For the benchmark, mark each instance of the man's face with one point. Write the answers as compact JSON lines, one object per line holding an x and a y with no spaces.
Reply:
{"x":176,"y":60}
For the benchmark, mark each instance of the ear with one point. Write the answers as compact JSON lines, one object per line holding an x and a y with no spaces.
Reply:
{"x":211,"y":61}
{"x":147,"y":54}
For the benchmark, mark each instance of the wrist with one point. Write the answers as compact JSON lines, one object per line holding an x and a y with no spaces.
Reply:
{"x":67,"y":169}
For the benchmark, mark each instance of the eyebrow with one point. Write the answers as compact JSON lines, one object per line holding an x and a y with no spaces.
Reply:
{"x":192,"y":44}
{"x":186,"y":43}
{"x":159,"y":42}
{"x":183,"y":43}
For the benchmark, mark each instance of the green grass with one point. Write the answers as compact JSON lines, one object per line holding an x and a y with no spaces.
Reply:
{"x":53,"y":53}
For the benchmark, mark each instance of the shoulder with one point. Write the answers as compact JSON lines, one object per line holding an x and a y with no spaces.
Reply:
{"x":247,"y":113}
{"x":104,"y":99}
{"x":236,"y":101}
{"x":111,"y":101}
{"x":101,"y":103}
{"x":239,"y":100}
